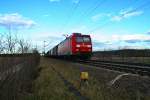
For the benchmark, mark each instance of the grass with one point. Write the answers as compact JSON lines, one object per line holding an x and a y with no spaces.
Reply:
{"x":17,"y":73}
{"x":48,"y":86}
{"x":96,"y":90}
{"x":93,"y":91}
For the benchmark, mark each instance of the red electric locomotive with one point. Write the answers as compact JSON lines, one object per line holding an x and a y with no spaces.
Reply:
{"x":76,"y":45}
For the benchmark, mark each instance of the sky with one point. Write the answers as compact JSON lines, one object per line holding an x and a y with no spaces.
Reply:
{"x":112,"y":24}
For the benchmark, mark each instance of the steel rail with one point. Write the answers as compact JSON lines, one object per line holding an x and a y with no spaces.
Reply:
{"x":134,"y":69}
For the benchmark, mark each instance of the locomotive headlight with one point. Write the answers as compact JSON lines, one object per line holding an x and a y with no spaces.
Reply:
{"x":77,"y":45}
{"x":77,"y":49}
{"x":89,"y":46}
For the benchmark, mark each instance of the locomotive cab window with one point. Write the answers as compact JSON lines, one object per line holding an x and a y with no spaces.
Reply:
{"x":86,"y":39}
{"x":79,"y":39}
{"x":82,"y":39}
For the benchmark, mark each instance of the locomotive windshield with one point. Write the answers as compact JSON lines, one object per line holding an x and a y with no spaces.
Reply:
{"x":79,"y":39}
{"x":86,"y":39}
{"x":82,"y":39}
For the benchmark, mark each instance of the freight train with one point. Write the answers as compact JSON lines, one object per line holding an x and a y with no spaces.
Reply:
{"x":74,"y":46}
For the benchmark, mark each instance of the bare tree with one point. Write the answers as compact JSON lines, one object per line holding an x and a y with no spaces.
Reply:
{"x":24,"y":46}
{"x":2,"y":43}
{"x":11,"y":42}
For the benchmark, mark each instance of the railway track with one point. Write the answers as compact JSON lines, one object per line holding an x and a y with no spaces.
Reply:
{"x":122,"y":67}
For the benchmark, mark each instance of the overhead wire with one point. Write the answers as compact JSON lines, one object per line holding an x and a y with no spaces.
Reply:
{"x":69,"y":18}
{"x":89,"y":11}
{"x":133,"y":10}
{"x":97,"y":6}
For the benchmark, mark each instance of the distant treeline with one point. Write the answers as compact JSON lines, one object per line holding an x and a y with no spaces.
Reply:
{"x":124,"y":53}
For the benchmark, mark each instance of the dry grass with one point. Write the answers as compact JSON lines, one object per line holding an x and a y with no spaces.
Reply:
{"x":16,"y":75}
{"x":97,"y":88}
{"x":144,"y":60}
{"x":93,"y":91}
{"x":49,"y":86}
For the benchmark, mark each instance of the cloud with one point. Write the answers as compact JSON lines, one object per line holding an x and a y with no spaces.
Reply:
{"x":103,"y":36}
{"x":100,"y":16}
{"x":148,"y":32}
{"x":136,"y":13}
{"x":133,"y":41}
{"x":103,"y":40}
{"x":54,"y":0}
{"x":116,"y":18}
{"x":136,"y":37}
{"x":148,"y":41}
{"x":15,"y":20}
{"x":124,"y":14}
{"x":80,"y":29}
{"x":100,"y":40}
{"x":76,"y":1}
{"x":46,"y":15}
{"x":51,"y":41}
{"x":97,"y":45}
{"x":51,"y":38}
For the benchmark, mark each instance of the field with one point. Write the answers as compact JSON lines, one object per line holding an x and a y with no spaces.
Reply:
{"x":16,"y":75}
{"x":124,"y":55}
{"x":142,"y":60}
{"x":21,"y":78}
{"x":49,"y":86}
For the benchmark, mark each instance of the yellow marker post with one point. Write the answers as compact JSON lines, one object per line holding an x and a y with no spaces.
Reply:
{"x":84,"y":76}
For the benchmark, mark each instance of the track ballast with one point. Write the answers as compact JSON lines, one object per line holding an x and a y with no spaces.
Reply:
{"x":143,"y":70}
